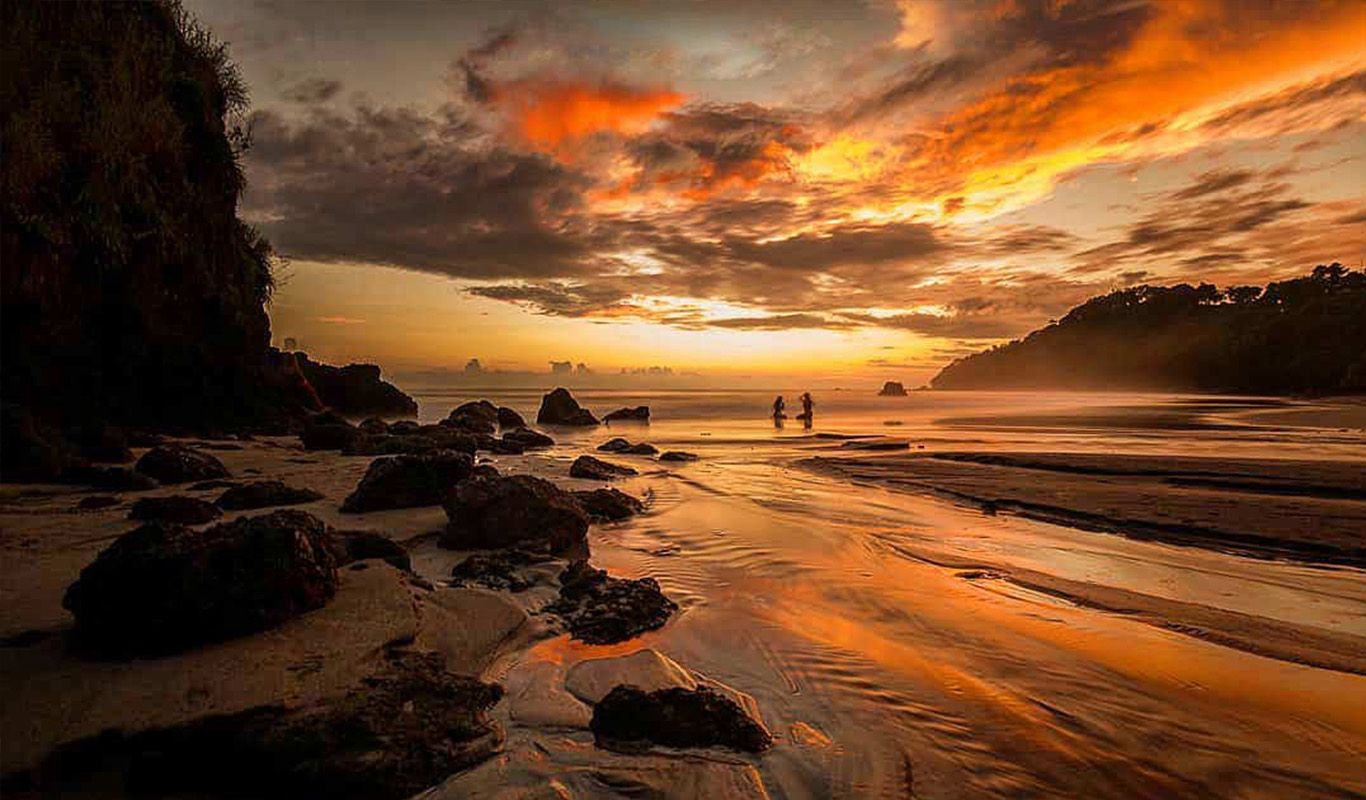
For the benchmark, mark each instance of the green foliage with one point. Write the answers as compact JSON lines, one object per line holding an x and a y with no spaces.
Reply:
{"x":1305,"y":335}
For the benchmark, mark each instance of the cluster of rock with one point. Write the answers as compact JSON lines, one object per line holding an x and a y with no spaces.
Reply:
{"x":892,"y":389}
{"x":560,"y":408}
{"x":595,"y":469}
{"x":624,"y":447}
{"x":469,"y":428}
{"x":600,"y":609}
{"x":637,"y":414}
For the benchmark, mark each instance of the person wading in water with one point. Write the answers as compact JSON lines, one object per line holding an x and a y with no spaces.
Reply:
{"x":778,"y":407}
{"x":807,"y":414}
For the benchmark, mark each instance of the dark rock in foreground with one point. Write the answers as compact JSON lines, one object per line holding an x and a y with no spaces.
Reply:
{"x":355,"y":389}
{"x":608,"y":504}
{"x":408,"y":481}
{"x":176,"y":508}
{"x":637,"y":414}
{"x":560,"y":408}
{"x":477,"y":417}
{"x":165,"y":587}
{"x":598,"y":470}
{"x":528,"y":439}
{"x":631,"y":719}
{"x":501,"y":570}
{"x":892,"y":389}
{"x":349,"y":546}
{"x":599,"y":609}
{"x":265,"y":494}
{"x":678,"y":455}
{"x":507,"y":418}
{"x":515,"y":511}
{"x":403,"y":730}
{"x":175,"y":464}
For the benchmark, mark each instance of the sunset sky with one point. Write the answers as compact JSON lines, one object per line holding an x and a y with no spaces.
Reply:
{"x":856,"y":190}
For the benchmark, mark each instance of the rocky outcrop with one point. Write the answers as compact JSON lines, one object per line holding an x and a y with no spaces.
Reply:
{"x":560,"y":408}
{"x":528,"y":439}
{"x":176,"y":508}
{"x":480,"y":416}
{"x":408,"y":481}
{"x":265,"y":494}
{"x":596,"y":469}
{"x":637,"y":414}
{"x":631,"y":719}
{"x":614,"y":445}
{"x":678,"y":455}
{"x":356,"y":389}
{"x":501,"y":570}
{"x":892,"y":389}
{"x":608,"y":505}
{"x":165,"y":587}
{"x":599,"y":609}
{"x":508,"y":419}
{"x":171,"y":464}
{"x":514,"y":511}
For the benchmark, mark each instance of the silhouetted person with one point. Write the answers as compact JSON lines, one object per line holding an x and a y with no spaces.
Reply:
{"x":807,"y":414}
{"x":778,"y":408}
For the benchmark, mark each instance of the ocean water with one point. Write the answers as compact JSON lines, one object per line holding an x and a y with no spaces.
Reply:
{"x":861,"y":617}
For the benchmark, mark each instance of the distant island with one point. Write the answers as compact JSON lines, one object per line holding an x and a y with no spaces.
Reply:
{"x":892,"y":389}
{"x":1301,"y":336}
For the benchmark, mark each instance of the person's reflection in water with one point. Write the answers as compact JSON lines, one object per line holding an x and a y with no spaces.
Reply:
{"x":778,"y":407}
{"x":807,"y":414}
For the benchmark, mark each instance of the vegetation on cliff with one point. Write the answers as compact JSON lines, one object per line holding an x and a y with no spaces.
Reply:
{"x":1305,"y":335}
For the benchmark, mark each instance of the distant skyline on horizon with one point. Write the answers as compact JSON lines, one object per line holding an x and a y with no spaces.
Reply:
{"x":859,"y":192}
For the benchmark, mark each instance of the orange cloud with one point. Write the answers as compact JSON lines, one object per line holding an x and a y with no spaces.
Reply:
{"x":549,"y":114}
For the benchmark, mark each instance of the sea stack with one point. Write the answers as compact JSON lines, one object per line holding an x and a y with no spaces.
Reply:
{"x":892,"y":389}
{"x":560,"y":408}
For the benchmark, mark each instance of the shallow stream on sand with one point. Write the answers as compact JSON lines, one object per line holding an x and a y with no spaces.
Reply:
{"x":894,"y":647}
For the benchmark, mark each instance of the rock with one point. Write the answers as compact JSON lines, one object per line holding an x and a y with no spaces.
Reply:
{"x":678,"y":455}
{"x":386,"y":445}
{"x":515,"y":511}
{"x":608,"y":504}
{"x":614,"y":445}
{"x":876,"y":444}
{"x":172,"y":464}
{"x":502,"y":447}
{"x":603,"y":610}
{"x":113,"y":478}
{"x":404,"y":427}
{"x":404,"y":729}
{"x":498,"y":569}
{"x":408,"y":481}
{"x":649,"y":670}
{"x":528,"y":438}
{"x":264,"y":494}
{"x":538,"y":698}
{"x":328,"y":436}
{"x":374,"y":425}
{"x":598,"y":470}
{"x":508,"y":419}
{"x":484,"y":471}
{"x":560,"y":408}
{"x":892,"y":389}
{"x":176,"y":508}
{"x":629,"y":718}
{"x":164,"y":587}
{"x":97,"y":501}
{"x":641,"y":449}
{"x":477,"y":417}
{"x":204,"y":486}
{"x":349,"y":546}
{"x":356,"y":389}
{"x":637,"y":414}
{"x":470,"y":627}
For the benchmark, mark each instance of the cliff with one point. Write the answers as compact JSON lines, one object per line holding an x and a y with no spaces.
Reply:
{"x":1301,"y":336}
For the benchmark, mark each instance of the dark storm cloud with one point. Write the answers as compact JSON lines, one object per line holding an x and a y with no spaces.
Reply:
{"x":399,"y":187}
{"x":709,"y":145}
{"x":847,"y":245}
{"x":312,"y":90}
{"x":556,"y":299}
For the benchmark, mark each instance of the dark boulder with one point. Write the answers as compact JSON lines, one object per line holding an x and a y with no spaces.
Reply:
{"x":528,"y":438}
{"x":374,"y":425}
{"x":165,"y":587}
{"x":175,"y":464}
{"x":349,"y":546}
{"x":560,"y":408}
{"x":598,"y":470}
{"x":630,"y":719}
{"x":204,"y":486}
{"x":329,"y":436}
{"x":176,"y":508}
{"x":408,"y":481}
{"x":637,"y":414}
{"x":599,"y":609}
{"x":515,"y":511}
{"x":484,"y":471}
{"x":678,"y":455}
{"x":608,"y":504}
{"x":404,"y":426}
{"x":508,"y":419}
{"x":892,"y":389}
{"x":387,"y":445}
{"x":265,"y":494}
{"x":615,"y":445}
{"x":641,"y":449}
{"x":119,"y":479}
{"x":501,"y":570}
{"x":502,"y":447}
{"x":480,"y":416}
{"x":356,"y":389}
